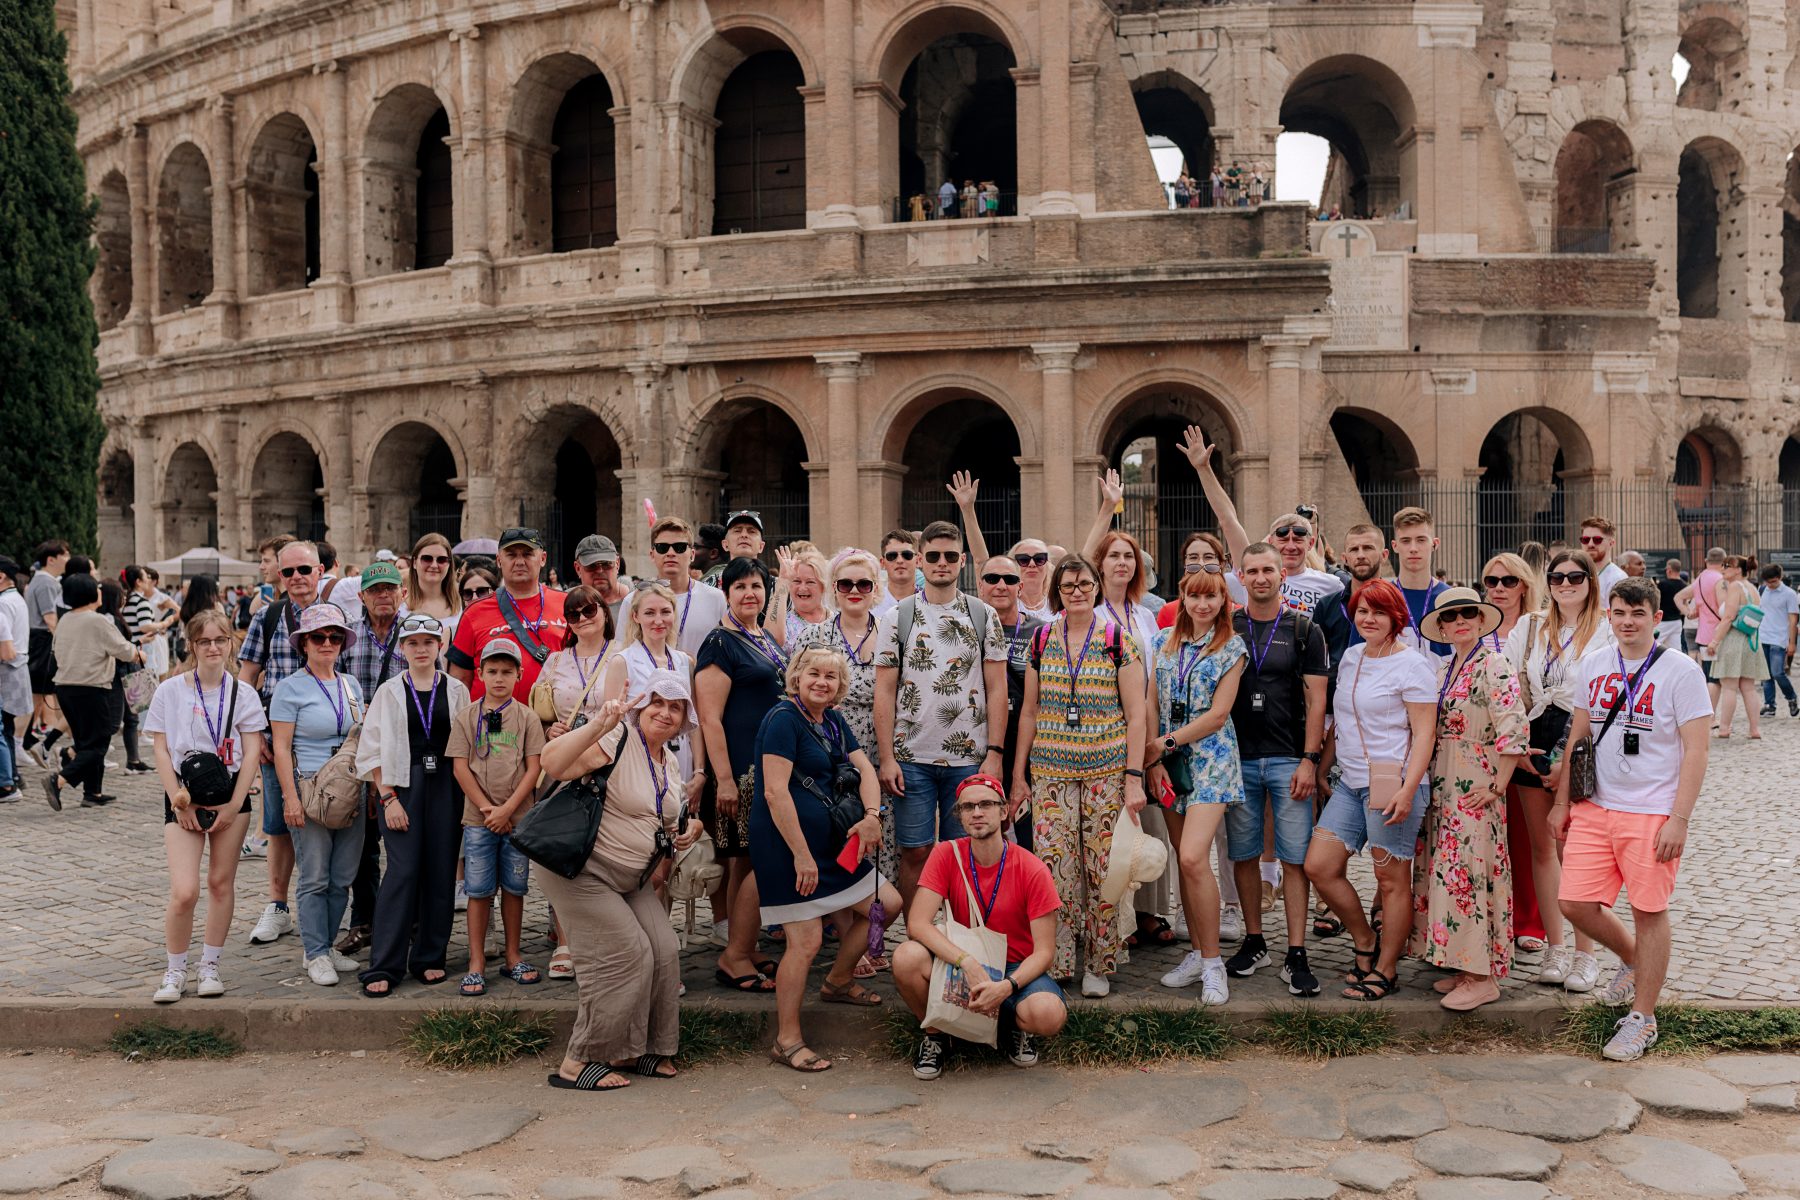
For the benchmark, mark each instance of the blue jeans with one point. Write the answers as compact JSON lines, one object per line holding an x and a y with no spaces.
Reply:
{"x":326,"y":861}
{"x":492,"y":863}
{"x":1349,"y":819}
{"x":925,"y":816}
{"x":1777,"y":656}
{"x":8,"y":769}
{"x":273,"y":821}
{"x":1274,"y":778}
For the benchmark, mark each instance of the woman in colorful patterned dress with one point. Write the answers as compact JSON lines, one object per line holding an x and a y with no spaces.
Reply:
{"x":1080,"y":763}
{"x":1462,"y":875}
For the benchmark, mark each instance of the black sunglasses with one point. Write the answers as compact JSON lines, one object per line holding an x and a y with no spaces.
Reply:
{"x":326,"y":639}
{"x":1558,"y":578}
{"x":994,"y":577}
{"x":860,"y":586}
{"x":669,"y":547}
{"x":1467,"y":613}
{"x":580,"y":612}
{"x":1282,"y":531}
{"x":1031,"y":560}
{"x":898,"y":555}
{"x":948,"y":556}
{"x":1494,"y":581}
{"x":476,"y":593}
{"x":302,"y":569}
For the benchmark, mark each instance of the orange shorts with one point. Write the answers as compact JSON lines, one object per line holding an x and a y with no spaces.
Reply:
{"x":1608,"y":850}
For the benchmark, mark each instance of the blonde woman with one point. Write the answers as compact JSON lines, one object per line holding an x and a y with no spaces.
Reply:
{"x":1737,"y":665}
{"x":431,"y":583}
{"x":646,"y":646}
{"x":1543,"y":651}
{"x":801,"y":598}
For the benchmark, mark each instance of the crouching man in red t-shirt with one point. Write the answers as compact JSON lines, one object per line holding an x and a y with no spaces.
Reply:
{"x":1017,"y":898}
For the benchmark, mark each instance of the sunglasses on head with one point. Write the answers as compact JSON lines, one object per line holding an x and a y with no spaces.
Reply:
{"x":1037,"y":559}
{"x":750,"y":513}
{"x":898,"y":556}
{"x":581,"y":612}
{"x":669,"y":547}
{"x":1468,"y":613}
{"x":946,"y":556}
{"x":476,"y":593}
{"x":431,"y":558}
{"x":861,"y":587}
{"x":1282,"y":531}
{"x":420,"y":623}
{"x":995,"y":577}
{"x":1209,"y":568}
{"x":1557,"y":578}
{"x":1494,"y":581}
{"x":302,"y":569}
{"x":326,"y":637}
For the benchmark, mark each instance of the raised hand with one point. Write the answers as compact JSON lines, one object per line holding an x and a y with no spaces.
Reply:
{"x":963,"y":489}
{"x":1197,"y":449}
{"x":1112,"y":489}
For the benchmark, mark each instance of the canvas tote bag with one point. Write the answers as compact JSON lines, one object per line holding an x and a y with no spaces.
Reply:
{"x":947,"y":1005}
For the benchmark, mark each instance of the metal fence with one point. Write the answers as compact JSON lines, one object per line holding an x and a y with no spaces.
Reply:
{"x":444,"y":518}
{"x":786,"y":516}
{"x":1161,"y":518}
{"x":997,"y":509}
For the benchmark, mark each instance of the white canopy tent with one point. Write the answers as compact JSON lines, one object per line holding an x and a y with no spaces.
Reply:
{"x":204,"y":560}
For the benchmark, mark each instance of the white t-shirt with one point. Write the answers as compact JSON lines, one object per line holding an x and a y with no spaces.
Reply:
{"x":698,"y":611}
{"x":1303,"y":592}
{"x":1671,"y":695}
{"x":175,"y":713}
{"x":1370,"y":707}
{"x":15,"y":626}
{"x":1609,"y":575}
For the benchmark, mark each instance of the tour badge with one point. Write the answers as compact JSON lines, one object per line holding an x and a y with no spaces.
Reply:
{"x":1257,"y":701}
{"x":428,"y":763}
{"x":1631,"y":741}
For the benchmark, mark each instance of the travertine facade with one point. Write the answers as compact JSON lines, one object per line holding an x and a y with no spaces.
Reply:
{"x":372,"y":266}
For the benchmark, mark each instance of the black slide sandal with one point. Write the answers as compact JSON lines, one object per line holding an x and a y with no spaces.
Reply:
{"x":588,"y":1080}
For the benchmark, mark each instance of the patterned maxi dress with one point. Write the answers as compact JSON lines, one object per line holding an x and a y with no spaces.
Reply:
{"x":1462,"y":875}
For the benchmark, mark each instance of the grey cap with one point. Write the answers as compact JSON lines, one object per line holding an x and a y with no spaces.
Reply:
{"x":502,"y":648}
{"x":595,"y":548}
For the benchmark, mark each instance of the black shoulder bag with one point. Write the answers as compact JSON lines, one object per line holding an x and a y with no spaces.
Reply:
{"x":558,"y":832}
{"x":1584,"y":764}
{"x":843,"y":803}
{"x":209,"y":782}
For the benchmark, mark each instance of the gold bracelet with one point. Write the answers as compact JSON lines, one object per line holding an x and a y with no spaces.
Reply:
{"x":1681,"y":817}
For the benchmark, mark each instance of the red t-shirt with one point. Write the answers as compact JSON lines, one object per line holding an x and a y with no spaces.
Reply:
{"x":1165,"y":617}
{"x":482,"y":622}
{"x":1026,"y":891}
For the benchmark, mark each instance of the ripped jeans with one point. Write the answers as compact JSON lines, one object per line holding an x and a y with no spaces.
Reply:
{"x":1349,"y":819}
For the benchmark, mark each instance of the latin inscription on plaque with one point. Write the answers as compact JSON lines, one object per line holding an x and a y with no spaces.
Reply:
{"x":1368,"y":291}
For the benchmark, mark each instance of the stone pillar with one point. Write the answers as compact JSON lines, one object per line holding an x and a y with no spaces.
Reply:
{"x":146,"y":472}
{"x":1057,"y":437}
{"x":140,"y":35}
{"x":143,"y":256}
{"x":226,"y":428}
{"x":334,"y":301}
{"x":839,"y":117}
{"x":84,"y":39}
{"x":1027,"y":89}
{"x":882,"y":482}
{"x":341,"y":485}
{"x":878,"y":109}
{"x":1250,"y":474}
{"x":649,"y":391}
{"x":646,"y":146}
{"x":222,"y":305}
{"x":1054,"y":125}
{"x":1282,"y":354}
{"x":472,"y":267}
{"x":843,"y":491}
{"x":480,"y":518}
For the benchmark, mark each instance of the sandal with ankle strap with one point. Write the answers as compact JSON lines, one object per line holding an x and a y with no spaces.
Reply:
{"x":1357,"y":973}
{"x":790,"y":1058}
{"x":1373,"y":986}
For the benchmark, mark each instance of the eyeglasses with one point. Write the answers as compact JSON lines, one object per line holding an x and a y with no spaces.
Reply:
{"x":1558,"y":578}
{"x":1031,"y":560}
{"x":1281,"y":531}
{"x":975,"y":806}
{"x":1468,"y":613}
{"x":432,"y":558}
{"x":947,"y":556}
{"x":862,"y":587}
{"x":302,"y":569}
{"x":1594,"y":541}
{"x":421,"y":623}
{"x":1209,"y":568}
{"x":995,"y":577}
{"x":210,"y":643}
{"x":326,"y":638}
{"x":898,"y":556}
{"x":476,"y":593}
{"x":669,"y":547}
{"x":1076,"y":588}
{"x":581,"y":612}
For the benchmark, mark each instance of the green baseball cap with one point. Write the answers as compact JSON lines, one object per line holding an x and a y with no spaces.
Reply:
{"x":378,"y":573}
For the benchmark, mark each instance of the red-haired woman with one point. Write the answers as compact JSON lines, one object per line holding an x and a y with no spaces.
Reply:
{"x":1383,"y":738}
{"x":1198,"y":663}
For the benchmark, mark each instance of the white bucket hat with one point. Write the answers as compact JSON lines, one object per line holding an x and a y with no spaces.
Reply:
{"x":1136,"y":858}
{"x":670,"y":685}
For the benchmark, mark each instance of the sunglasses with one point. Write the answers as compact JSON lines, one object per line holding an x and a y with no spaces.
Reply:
{"x":1081,"y":588}
{"x":669,"y":547}
{"x":432,"y":558}
{"x":1558,"y":578}
{"x":1593,"y":541}
{"x":1282,"y":531}
{"x":1468,"y":613}
{"x":862,"y":587}
{"x":476,"y":593}
{"x":1031,"y":560}
{"x":975,"y":806}
{"x":302,"y":569}
{"x":421,"y":623}
{"x":1310,"y":512}
{"x":995,"y":577}
{"x":1494,"y":581}
{"x":581,"y":612}
{"x":326,"y":638}
{"x":898,"y":556}
{"x":1209,"y":568}
{"x":946,"y":556}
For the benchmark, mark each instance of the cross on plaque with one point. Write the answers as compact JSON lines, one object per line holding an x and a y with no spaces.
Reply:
{"x":1348,"y":236}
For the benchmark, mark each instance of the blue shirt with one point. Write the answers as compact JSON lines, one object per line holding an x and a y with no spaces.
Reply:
{"x":319,"y":726}
{"x":1778,"y":603}
{"x":1418,"y":603}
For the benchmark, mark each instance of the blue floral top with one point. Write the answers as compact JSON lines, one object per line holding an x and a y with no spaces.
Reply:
{"x":1192,"y":676}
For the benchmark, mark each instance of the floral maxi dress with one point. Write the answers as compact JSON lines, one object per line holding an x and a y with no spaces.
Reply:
{"x":1462,"y":874}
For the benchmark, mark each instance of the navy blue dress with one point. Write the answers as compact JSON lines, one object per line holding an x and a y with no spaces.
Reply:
{"x":784,"y":733}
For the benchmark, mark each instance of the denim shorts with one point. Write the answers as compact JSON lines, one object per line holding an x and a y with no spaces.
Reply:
{"x":1272,"y":777}
{"x":1039,"y":986}
{"x":274,"y":818}
{"x":925,"y":815}
{"x":1349,"y":818}
{"x":492,"y":863}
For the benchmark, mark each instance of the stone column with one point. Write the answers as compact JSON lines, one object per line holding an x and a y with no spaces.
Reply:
{"x":222,"y":305}
{"x":146,"y":472}
{"x":140,"y":35}
{"x":1053,"y":106}
{"x":648,"y":380}
{"x":481,"y":491}
{"x":843,"y":491}
{"x":84,"y":39}
{"x":334,"y":301}
{"x":143,"y":256}
{"x":472,"y":267}
{"x":839,"y":116}
{"x":341,"y":485}
{"x":882,"y":483}
{"x":646,"y":147}
{"x":1282,"y":354}
{"x":1057,"y":437}
{"x":226,"y":427}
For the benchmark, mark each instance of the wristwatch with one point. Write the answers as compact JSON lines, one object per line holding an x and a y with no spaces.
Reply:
{"x":1169,"y":742}
{"x":1313,"y":756}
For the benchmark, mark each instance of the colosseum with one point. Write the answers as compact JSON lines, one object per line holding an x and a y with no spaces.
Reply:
{"x":369,"y":267}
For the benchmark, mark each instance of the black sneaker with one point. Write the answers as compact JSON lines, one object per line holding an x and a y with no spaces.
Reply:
{"x":138,"y":767}
{"x":1794,"y":708}
{"x":97,"y":800}
{"x":53,"y":793}
{"x":1252,"y":954}
{"x":1768,"y":710}
{"x":1300,"y":979}
{"x":928,"y":1061}
{"x":1020,"y":1050}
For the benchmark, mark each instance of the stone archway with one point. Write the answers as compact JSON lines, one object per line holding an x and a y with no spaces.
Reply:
{"x":189,"y":507}
{"x":408,"y":184}
{"x":287,"y":489}
{"x":111,"y":285}
{"x":1364,"y":110}
{"x":184,"y":267}
{"x":1163,"y":499}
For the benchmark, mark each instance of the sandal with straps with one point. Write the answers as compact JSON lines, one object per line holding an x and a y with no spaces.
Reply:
{"x":647,"y":1065}
{"x":1357,"y":972}
{"x":1373,"y":986}
{"x":589,"y":1079}
{"x":790,"y":1058}
{"x":851,"y":993}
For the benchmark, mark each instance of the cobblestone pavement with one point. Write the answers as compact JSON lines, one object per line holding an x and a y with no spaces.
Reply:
{"x":1424,"y":1127}
{"x":82,"y":893}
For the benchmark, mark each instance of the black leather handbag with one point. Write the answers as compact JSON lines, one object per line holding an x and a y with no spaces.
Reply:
{"x":843,"y":801}
{"x":558,"y":832}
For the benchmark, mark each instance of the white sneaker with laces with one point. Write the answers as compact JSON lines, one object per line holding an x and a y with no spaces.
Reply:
{"x":1620,"y":989}
{"x":1231,"y":924}
{"x":1584,"y":973}
{"x":1178,"y":926}
{"x":170,"y":991}
{"x":254,"y":848}
{"x":321,"y":971}
{"x":1213,"y":988}
{"x":1185,"y":975}
{"x":210,"y":983}
{"x":1633,"y":1035}
{"x":462,"y":897}
{"x":1095,"y":986}
{"x":344,"y":962}
{"x":272,"y":924}
{"x":1555,"y":967}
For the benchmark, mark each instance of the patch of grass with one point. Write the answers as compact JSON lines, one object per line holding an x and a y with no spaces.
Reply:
{"x":709,"y":1034}
{"x":1310,"y":1033}
{"x":1096,"y":1036}
{"x":153,"y":1039}
{"x":486,"y":1035}
{"x":1688,"y":1029}
{"x":1476,"y":1035}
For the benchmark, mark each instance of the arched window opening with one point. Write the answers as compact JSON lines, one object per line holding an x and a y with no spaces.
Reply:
{"x":1593,"y":194}
{"x":1361,"y":108}
{"x":963,"y":432}
{"x":408,"y":184}
{"x":1375,"y":456}
{"x":1521,"y":495}
{"x":759,"y":148}
{"x":1710,"y":506}
{"x":1710,"y":232}
{"x":190,"y":500}
{"x":959,"y":124}
{"x":413,"y":487}
{"x":760,"y":451}
{"x":1163,"y":499}
{"x":281,"y":196}
{"x":1178,"y":113}
{"x":118,"y":509}
{"x":584,"y":204}
{"x":287,"y":488}
{"x":184,"y":271}
{"x":434,"y":237}
{"x":1717,"y":59}
{"x":112,"y":236}
{"x":1789,"y":477}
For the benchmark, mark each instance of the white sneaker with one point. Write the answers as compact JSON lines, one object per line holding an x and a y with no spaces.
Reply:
{"x":1620,"y":989}
{"x":170,"y":991}
{"x":1213,"y":988}
{"x":1634,"y":1035}
{"x":1231,"y":924}
{"x":1584,"y":973}
{"x":1178,"y":926}
{"x":462,"y":897}
{"x":210,"y":983}
{"x":321,"y":971}
{"x":1555,"y":967}
{"x":254,"y":848}
{"x":721,"y":933}
{"x":1095,"y":986}
{"x":1187,"y":974}
{"x":343,"y":962}
{"x":272,"y":924}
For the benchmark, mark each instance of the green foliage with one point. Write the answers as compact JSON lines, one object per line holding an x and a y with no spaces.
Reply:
{"x":1687,"y":1029}
{"x":50,"y":428}
{"x":709,"y":1034}
{"x":1313,"y":1033}
{"x":485,"y":1035}
{"x":154,"y":1039}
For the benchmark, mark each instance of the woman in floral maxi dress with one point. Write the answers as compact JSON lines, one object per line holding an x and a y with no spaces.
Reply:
{"x":1462,"y":875}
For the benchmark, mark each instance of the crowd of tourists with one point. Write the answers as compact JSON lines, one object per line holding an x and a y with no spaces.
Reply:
{"x":1032,"y":781}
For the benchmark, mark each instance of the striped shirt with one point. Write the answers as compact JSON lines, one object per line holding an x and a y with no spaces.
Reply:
{"x":1095,"y":746}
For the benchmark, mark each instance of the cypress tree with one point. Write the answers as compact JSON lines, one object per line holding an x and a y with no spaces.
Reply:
{"x":50,"y":427}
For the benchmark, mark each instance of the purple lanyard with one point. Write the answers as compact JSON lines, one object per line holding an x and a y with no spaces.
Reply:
{"x":1456,"y":668}
{"x":531,"y":626}
{"x":1075,"y":664}
{"x":659,"y":783}
{"x":428,"y":711}
{"x":1012,"y":639}
{"x":651,"y":655}
{"x":1184,"y":672}
{"x":386,"y":648}
{"x":1258,"y":657}
{"x":855,"y":652}
{"x":1631,"y":685}
{"x":687,"y":602}
{"x":764,"y":647}
{"x":219,"y":733}
{"x":337,"y":701}
{"x":576,"y":655}
{"x":993,"y":898}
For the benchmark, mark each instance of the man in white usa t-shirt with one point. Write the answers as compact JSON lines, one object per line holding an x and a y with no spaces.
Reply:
{"x":1649,"y":765}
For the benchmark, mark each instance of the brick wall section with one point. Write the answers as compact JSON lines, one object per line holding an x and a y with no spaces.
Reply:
{"x":1554,"y":283}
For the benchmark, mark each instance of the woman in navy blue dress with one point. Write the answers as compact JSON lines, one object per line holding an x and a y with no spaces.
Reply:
{"x":798,"y":877}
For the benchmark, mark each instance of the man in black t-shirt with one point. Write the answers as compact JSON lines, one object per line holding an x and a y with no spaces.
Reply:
{"x":1279,"y":716}
{"x":999,"y":586}
{"x":1669,"y":620}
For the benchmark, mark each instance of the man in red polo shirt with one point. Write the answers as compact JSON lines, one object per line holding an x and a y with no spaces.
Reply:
{"x":523,"y":611}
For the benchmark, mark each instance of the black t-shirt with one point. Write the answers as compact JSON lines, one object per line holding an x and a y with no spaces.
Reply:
{"x":1279,"y":729}
{"x":1019,"y":657}
{"x":1670,"y":588}
{"x":439,"y":741}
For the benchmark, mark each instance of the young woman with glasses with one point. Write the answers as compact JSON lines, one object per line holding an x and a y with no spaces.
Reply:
{"x":477,"y":583}
{"x":578,"y":673}
{"x":430,"y":581}
{"x":1543,"y":650}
